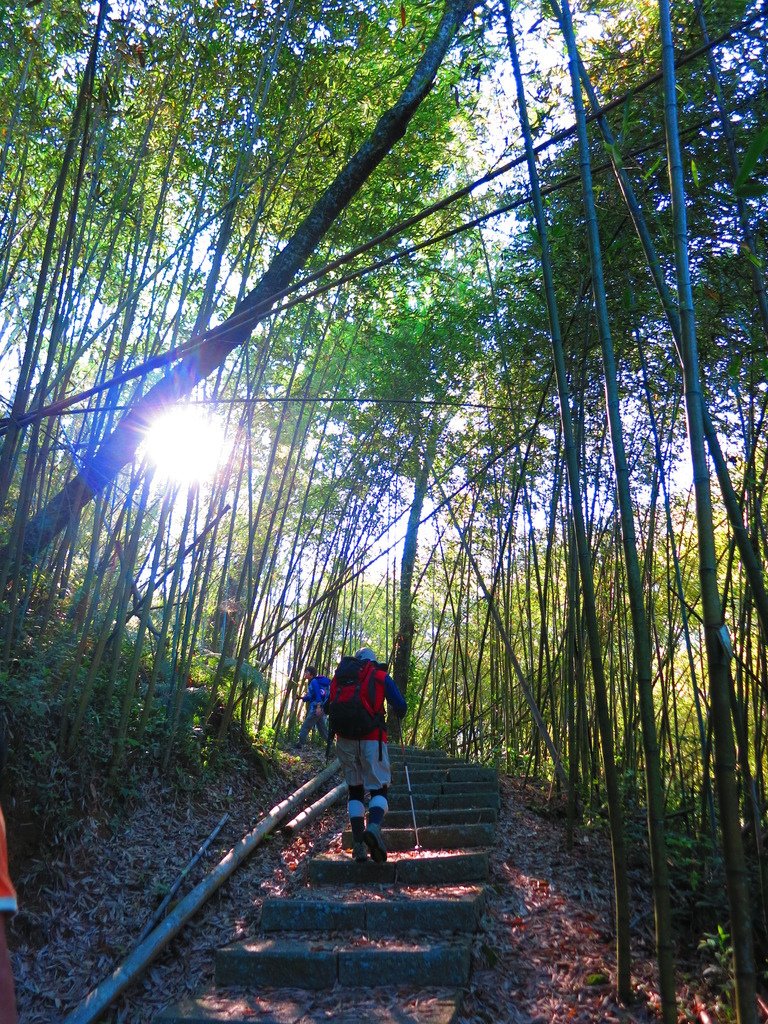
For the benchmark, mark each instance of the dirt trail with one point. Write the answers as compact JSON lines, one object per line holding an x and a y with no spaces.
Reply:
{"x":546,"y":953}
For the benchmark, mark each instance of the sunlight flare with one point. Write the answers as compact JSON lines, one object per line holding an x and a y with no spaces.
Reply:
{"x":186,"y":445}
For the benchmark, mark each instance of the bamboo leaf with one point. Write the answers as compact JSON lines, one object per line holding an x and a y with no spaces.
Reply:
{"x":752,"y":190}
{"x":626,"y":119}
{"x":695,"y":173}
{"x":653,"y":168}
{"x":613,"y":151}
{"x":753,"y":154}
{"x":751,"y":257}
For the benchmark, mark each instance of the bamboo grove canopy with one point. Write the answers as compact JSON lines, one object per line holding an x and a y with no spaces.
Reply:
{"x":439,"y":327}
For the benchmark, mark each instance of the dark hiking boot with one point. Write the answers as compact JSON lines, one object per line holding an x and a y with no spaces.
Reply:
{"x":360,"y":852}
{"x":373,"y":840}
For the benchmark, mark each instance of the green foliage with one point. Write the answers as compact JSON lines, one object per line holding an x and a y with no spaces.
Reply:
{"x":717,"y":949}
{"x":597,"y":978}
{"x":40,"y":788}
{"x":746,"y":188}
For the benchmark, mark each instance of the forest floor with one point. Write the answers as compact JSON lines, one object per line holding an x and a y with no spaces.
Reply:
{"x":544,"y":953}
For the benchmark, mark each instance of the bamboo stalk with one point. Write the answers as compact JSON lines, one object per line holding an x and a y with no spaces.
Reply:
{"x":540,"y":723}
{"x":120,"y":447}
{"x":314,"y":810}
{"x":640,"y":632}
{"x":586,"y":572}
{"x":715,"y":633}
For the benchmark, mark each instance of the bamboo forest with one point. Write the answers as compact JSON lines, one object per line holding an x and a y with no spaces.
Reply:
{"x":432,"y":329}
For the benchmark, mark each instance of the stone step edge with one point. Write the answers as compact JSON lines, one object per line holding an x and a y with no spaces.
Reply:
{"x":444,"y":802}
{"x":438,"y":788}
{"x":318,"y":964}
{"x":432,"y":837}
{"x":445,"y":869}
{"x":443,"y":779}
{"x":378,"y":917}
{"x":453,"y":816}
{"x":278,"y":1006}
{"x":460,"y":771}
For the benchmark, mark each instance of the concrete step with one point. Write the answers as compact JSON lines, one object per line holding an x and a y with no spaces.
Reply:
{"x":433,"y":837}
{"x":465,"y":775}
{"x":419,"y":775}
{"x":471,"y":799}
{"x":483,"y":798}
{"x":448,"y":788}
{"x":402,"y":936}
{"x":275,"y":1006}
{"x":427,"y":761}
{"x":317,"y":964}
{"x":391,"y":915}
{"x":459,"y":816}
{"x":411,"y":751}
{"x":415,"y":755}
{"x":412,"y":754}
{"x":448,"y":868}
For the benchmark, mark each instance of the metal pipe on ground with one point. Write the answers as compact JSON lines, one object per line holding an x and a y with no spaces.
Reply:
{"x":99,"y":998}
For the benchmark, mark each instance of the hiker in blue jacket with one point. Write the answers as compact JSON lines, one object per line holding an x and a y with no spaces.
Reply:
{"x":315,"y":697}
{"x":361,"y":745}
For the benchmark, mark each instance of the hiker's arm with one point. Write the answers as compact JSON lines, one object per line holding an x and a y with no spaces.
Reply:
{"x":395,"y":699}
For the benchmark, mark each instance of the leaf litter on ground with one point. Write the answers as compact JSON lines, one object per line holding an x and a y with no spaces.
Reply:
{"x":544,"y":951}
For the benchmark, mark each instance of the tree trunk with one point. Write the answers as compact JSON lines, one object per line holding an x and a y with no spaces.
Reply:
{"x":404,"y":641}
{"x":640,"y":632}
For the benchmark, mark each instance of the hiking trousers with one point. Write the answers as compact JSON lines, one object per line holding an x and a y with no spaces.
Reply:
{"x":361,"y":765}
{"x":312,"y":721}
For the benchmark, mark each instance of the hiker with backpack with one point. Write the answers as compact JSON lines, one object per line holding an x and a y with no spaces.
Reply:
{"x":359,"y":690}
{"x":315,"y":697}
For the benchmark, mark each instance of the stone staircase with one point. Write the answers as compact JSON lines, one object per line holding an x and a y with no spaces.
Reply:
{"x":389,"y":943}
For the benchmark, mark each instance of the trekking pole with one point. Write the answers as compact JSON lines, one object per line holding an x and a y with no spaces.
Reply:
{"x":410,"y":793}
